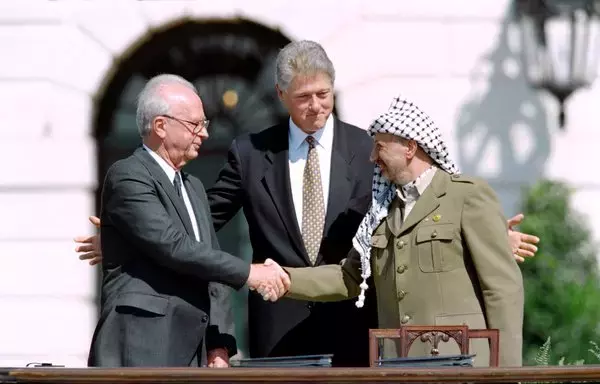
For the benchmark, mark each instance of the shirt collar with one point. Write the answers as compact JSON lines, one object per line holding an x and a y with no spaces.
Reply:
{"x":163,"y":164}
{"x":323,"y":136}
{"x":415,"y":188}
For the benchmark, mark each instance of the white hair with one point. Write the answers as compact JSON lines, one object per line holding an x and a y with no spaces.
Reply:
{"x":151,"y":103}
{"x":302,"y":57}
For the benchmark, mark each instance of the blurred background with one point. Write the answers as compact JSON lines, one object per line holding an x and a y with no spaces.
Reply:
{"x":511,"y":84}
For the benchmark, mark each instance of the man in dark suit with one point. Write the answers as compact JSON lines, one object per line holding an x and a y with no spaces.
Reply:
{"x":296,"y":221}
{"x":159,"y":245}
{"x":274,"y":176}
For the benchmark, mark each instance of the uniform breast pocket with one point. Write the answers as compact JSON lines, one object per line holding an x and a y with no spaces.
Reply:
{"x":434,"y":248}
{"x":380,"y":254}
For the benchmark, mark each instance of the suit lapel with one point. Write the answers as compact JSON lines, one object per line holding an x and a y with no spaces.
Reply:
{"x":394,"y":217}
{"x":340,"y":182}
{"x":167,"y":185}
{"x":427,"y":202}
{"x":277,"y":183}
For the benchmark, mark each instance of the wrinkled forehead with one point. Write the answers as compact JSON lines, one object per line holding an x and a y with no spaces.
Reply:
{"x":385,"y":137}
{"x":310,"y":83}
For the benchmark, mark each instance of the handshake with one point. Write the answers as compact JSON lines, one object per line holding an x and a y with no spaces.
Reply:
{"x":269,"y":280}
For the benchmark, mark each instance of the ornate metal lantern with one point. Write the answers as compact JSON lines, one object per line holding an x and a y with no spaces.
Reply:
{"x":561,"y":41}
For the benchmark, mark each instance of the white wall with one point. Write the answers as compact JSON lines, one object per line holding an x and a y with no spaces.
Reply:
{"x":459,"y":59}
{"x":47,"y":176}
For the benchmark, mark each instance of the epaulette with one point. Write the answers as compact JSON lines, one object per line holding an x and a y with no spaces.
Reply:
{"x":463,"y":179}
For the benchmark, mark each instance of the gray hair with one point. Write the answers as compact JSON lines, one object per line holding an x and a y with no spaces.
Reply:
{"x":151,"y":103}
{"x":302,"y":57}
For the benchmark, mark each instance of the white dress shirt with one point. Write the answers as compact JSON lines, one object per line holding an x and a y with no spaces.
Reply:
{"x":171,"y":176}
{"x":298,"y":152}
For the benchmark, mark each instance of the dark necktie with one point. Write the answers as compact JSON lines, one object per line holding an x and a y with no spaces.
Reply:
{"x":313,"y":206}
{"x":177,"y":184}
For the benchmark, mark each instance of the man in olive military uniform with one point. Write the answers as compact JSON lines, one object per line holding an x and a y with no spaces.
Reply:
{"x":435,"y":242}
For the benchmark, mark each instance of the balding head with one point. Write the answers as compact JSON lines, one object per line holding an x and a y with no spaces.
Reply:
{"x":171,"y":120}
{"x":159,"y":96}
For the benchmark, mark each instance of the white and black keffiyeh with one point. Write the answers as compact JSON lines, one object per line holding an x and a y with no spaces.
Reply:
{"x":406,"y":120}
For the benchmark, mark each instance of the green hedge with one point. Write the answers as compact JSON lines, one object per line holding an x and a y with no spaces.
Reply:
{"x":562,"y":290}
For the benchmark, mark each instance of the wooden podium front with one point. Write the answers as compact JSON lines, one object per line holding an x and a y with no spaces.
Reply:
{"x":557,"y":374}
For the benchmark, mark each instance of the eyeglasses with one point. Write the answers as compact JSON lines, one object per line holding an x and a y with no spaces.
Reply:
{"x":198,"y":125}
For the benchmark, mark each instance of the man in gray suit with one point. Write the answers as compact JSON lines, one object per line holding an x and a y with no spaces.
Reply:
{"x":159,"y":246}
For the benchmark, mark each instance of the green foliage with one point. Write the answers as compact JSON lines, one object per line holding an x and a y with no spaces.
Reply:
{"x":562,"y":291}
{"x":543,"y":354}
{"x":595,"y":350}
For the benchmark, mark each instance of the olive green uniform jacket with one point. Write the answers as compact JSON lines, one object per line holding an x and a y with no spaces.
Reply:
{"x":448,"y":263}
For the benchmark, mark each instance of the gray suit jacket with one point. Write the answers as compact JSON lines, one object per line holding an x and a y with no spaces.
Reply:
{"x":156,"y":299}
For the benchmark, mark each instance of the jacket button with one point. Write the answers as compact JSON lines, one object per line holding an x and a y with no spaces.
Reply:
{"x":401,"y":294}
{"x":205,"y":318}
{"x":405,"y":319}
{"x":310,"y":306}
{"x":400,"y":244}
{"x":401,"y":268}
{"x":434,"y":234}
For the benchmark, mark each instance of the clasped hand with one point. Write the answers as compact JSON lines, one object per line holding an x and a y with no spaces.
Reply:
{"x":269,"y":280}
